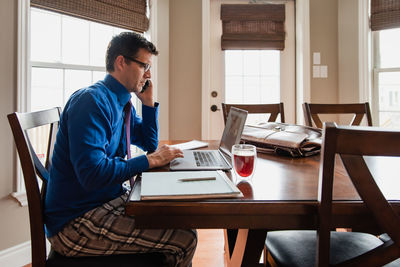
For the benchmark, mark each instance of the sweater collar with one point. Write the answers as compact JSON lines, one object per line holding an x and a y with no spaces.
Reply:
{"x":119,"y":90}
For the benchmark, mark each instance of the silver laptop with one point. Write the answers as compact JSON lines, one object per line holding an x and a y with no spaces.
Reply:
{"x":214,"y":159}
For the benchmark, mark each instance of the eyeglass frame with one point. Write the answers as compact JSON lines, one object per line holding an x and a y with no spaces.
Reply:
{"x":145,"y":66}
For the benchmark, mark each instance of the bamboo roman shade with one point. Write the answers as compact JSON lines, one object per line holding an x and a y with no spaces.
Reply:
{"x":127,"y":14}
{"x":253,"y":26}
{"x":385,"y":14}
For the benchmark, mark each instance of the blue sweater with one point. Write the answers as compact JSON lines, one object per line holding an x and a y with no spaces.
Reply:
{"x":88,"y":165}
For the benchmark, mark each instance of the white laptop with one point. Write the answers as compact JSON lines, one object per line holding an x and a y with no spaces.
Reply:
{"x":214,"y":159}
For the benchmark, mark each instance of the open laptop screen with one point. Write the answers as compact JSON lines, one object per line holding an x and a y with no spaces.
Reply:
{"x":233,"y":129}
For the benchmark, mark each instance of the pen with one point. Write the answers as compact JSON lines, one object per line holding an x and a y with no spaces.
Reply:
{"x":197,"y":179}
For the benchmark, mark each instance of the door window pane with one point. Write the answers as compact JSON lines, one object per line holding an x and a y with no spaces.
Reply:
{"x":235,"y":86}
{"x":252,"y":77}
{"x":233,"y":63}
{"x":271,"y":89}
{"x":270,"y":63}
{"x":251,"y":63}
{"x":252,"y":90}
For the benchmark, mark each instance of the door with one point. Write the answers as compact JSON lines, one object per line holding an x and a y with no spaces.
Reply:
{"x":220,"y":83}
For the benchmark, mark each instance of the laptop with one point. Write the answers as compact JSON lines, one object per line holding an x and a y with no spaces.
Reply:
{"x":196,"y":160}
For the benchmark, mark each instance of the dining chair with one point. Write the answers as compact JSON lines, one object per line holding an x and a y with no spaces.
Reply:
{"x":273,"y":109}
{"x":32,"y":168}
{"x":359,"y":110}
{"x":324,"y":247}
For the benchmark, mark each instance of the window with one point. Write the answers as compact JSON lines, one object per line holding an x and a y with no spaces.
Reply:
{"x":252,"y":77}
{"x":66,"y":54}
{"x":387,"y":77}
{"x":58,"y":54}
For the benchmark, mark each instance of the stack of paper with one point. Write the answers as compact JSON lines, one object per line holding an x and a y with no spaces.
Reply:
{"x":190,"y":145}
{"x":187,"y":185}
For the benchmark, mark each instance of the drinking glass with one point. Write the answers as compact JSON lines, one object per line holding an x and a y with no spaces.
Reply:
{"x":244,"y":161}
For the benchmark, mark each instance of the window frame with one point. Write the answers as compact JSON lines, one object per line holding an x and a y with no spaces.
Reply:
{"x":60,"y":65}
{"x":376,"y":70}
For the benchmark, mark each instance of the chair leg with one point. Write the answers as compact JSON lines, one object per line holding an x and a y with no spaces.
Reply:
{"x":268,"y":260}
{"x":265,"y":257}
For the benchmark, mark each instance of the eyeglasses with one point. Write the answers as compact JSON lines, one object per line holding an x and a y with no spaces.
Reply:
{"x":145,"y":66}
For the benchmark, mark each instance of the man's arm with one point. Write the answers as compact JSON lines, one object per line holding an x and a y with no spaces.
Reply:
{"x":144,"y":131}
{"x":89,"y":130}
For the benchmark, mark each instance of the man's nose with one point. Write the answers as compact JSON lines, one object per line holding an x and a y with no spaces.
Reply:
{"x":147,"y":74}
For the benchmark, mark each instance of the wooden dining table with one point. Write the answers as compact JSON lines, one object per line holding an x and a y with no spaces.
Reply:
{"x":282,"y":194}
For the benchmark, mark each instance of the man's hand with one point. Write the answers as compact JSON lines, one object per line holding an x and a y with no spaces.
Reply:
{"x":147,"y":96}
{"x":163,"y":155}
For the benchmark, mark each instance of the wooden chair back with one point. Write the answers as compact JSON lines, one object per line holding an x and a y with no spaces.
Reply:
{"x":359,"y":110}
{"x":273,"y":109}
{"x":351,"y":144}
{"x":32,"y":168}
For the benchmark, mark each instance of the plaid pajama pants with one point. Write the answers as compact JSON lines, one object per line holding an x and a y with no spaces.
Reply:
{"x":106,"y":230}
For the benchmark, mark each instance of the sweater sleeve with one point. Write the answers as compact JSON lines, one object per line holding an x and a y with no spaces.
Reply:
{"x":89,"y":127}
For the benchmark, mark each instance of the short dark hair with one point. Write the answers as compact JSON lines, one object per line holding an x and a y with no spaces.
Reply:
{"x":127,"y":44}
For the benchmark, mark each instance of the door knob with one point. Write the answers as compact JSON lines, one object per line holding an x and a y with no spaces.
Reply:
{"x":214,"y":108}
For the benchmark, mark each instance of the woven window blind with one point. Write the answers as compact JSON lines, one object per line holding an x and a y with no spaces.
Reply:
{"x":253,"y":26}
{"x":127,"y":14}
{"x":385,"y":14}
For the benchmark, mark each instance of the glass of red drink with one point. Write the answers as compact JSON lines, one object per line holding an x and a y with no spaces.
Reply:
{"x":244,"y":160}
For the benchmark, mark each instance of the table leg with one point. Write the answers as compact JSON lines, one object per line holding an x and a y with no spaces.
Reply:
{"x":243,"y":247}
{"x":254,"y":246}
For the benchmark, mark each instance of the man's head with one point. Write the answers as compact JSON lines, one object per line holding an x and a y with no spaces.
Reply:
{"x":129,"y":58}
{"x":127,"y":44}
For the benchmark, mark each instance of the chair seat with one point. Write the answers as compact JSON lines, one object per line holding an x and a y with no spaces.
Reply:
{"x":133,"y":260}
{"x":298,"y":248}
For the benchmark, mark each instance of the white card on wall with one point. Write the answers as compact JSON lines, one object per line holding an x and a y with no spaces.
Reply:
{"x":316,"y":58}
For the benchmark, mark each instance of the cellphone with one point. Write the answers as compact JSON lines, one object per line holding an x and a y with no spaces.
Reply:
{"x":147,"y":83}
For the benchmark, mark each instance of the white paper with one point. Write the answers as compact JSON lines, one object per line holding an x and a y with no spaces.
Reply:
{"x":190,"y":145}
{"x":316,"y":58}
{"x":324,"y":72}
{"x":168,"y":185}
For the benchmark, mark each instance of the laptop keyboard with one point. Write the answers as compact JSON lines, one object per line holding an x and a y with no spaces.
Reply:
{"x":206,"y":158}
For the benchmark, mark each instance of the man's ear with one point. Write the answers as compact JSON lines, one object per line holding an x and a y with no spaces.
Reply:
{"x":119,"y":63}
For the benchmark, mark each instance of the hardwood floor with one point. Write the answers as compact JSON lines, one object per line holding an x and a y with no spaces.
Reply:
{"x":210,"y":249}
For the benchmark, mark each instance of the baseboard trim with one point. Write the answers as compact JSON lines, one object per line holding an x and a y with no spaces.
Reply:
{"x":17,"y":256}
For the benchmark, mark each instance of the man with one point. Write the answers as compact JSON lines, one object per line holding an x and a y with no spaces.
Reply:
{"x":84,"y":204}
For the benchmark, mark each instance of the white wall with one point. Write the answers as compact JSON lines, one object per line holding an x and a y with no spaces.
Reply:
{"x":163,"y":66}
{"x":348,"y":91}
{"x":185,"y":69}
{"x":348,"y":51}
{"x":14,"y":222}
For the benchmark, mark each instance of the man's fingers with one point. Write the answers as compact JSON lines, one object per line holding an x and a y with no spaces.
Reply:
{"x":178,"y":152}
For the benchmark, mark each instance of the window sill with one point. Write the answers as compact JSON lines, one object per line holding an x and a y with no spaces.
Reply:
{"x":20,"y":197}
